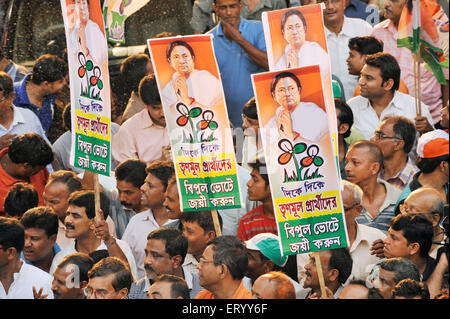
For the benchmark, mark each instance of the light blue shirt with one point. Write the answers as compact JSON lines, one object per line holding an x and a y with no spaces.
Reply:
{"x":236,"y":66}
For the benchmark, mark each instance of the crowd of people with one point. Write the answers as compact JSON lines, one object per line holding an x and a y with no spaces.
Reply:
{"x":393,"y":161}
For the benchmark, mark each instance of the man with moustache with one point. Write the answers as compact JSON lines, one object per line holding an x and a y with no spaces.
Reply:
{"x":89,"y":233}
{"x":71,"y":276}
{"x":144,"y":135}
{"x":126,"y":197}
{"x":172,"y":203}
{"x":152,"y":196}
{"x":165,"y":253}
{"x":188,"y":85}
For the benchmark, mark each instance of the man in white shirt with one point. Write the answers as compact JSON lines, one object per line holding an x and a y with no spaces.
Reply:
{"x":293,"y":118}
{"x":89,"y":233}
{"x":19,"y":280}
{"x":338,"y":30}
{"x":379,"y":82}
{"x":142,"y":224}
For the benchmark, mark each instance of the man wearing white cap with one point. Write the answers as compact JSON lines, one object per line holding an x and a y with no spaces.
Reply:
{"x":433,"y":163}
{"x":264,"y":255}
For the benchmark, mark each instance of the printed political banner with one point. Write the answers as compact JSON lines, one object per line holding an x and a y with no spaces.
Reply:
{"x":196,"y":115}
{"x":295,"y":37}
{"x":87,"y":55}
{"x":300,"y":160}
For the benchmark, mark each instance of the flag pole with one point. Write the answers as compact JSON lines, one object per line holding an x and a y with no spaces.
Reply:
{"x":417,"y":81}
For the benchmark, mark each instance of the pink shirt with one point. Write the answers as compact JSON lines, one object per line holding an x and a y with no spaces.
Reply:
{"x":139,"y":137}
{"x":429,"y":86}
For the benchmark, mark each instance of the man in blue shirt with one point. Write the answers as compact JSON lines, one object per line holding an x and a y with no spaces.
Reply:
{"x":359,"y":9}
{"x":37,"y":90}
{"x":240,"y":51}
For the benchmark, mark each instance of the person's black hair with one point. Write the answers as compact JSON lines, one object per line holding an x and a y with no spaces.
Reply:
{"x":283,"y":75}
{"x":249,"y":109}
{"x":289,"y":13}
{"x":30,"y":148}
{"x":345,"y":115}
{"x":342,"y":261}
{"x":42,"y":217}
{"x":132,"y":171}
{"x":50,"y":68}
{"x":409,"y":288}
{"x":261,"y":168}
{"x":163,"y":170}
{"x":6,"y":84}
{"x":148,"y":90}
{"x":176,"y":43}
{"x":373,"y":150}
{"x":67,"y":117}
{"x":428,"y":165}
{"x":388,"y":66}
{"x":113,"y":266}
{"x":69,"y":178}
{"x":176,"y":243}
{"x":82,"y":261}
{"x":133,"y":69}
{"x":402,"y":267}
{"x":365,"y":45}
{"x":178,"y":288}
{"x":86,"y":200}
{"x":20,"y":198}
{"x":231,"y":252}
{"x":203,"y":218}
{"x":416,"y":229}
{"x":98,"y":255}
{"x":12,"y":234}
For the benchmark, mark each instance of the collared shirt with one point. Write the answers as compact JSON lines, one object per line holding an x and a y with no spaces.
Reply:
{"x":236,"y":66}
{"x":139,"y":138}
{"x":6,"y":182}
{"x":403,"y":177}
{"x":261,"y":6}
{"x":45,"y":114}
{"x":366,"y":119}
{"x":386,"y":212}
{"x":360,"y":251}
{"x":430,"y":89}
{"x":119,"y":213}
{"x":240,"y":293}
{"x":71,"y":248}
{"x":24,"y":280}
{"x":338,"y":49}
{"x":138,"y":228}
{"x":24,"y":121}
{"x":190,"y":263}
{"x":359,"y":9}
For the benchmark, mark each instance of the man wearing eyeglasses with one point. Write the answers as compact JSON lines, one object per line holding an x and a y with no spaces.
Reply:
{"x":395,"y":136}
{"x":379,"y":82}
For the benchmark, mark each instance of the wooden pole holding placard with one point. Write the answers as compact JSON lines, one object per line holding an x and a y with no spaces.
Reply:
{"x":215,"y":218}
{"x":320,"y":274}
{"x":97,"y":197}
{"x":417,"y":81}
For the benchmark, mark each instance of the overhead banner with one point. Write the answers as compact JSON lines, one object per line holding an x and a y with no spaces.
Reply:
{"x":304,"y":180}
{"x":196,"y":115}
{"x":295,"y":37}
{"x":87,"y":54}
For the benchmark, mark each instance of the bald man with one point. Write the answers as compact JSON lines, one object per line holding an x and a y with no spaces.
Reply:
{"x":428,"y":202}
{"x":273,"y":285}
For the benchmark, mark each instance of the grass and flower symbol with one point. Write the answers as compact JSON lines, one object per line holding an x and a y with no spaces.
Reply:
{"x":198,"y":130}
{"x":92,"y":74}
{"x":305,"y":169}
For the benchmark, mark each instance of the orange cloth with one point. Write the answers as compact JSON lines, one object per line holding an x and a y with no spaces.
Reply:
{"x":240,"y":293}
{"x":6,"y":181}
{"x":401,"y":88}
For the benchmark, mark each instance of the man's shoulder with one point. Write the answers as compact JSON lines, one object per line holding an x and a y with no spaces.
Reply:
{"x":133,"y":122}
{"x":258,"y":210}
{"x":357,"y":101}
{"x":381,"y":26}
{"x":34,"y":272}
{"x":371,"y":233}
